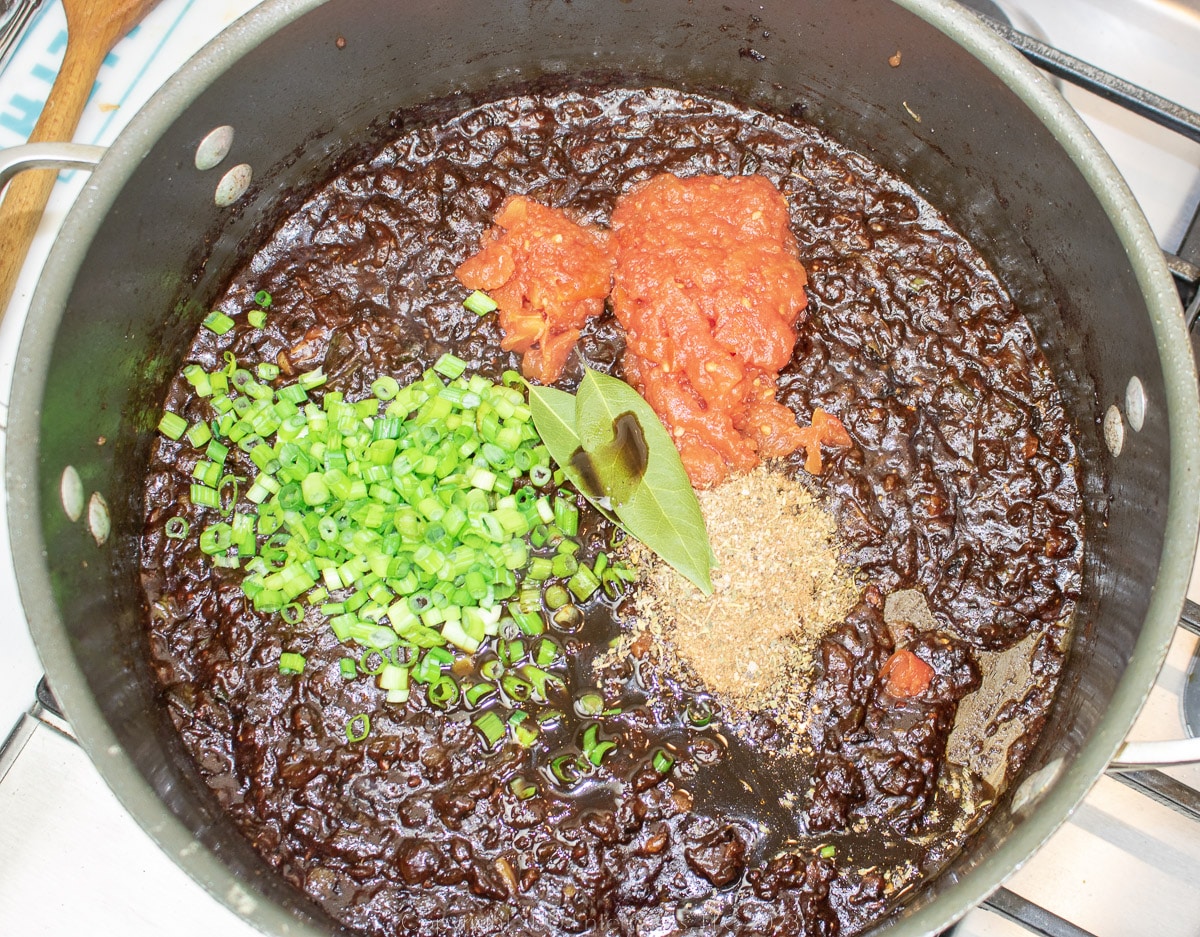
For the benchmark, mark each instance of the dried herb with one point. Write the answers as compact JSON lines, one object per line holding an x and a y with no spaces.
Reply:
{"x":612,"y":446}
{"x":554,"y":416}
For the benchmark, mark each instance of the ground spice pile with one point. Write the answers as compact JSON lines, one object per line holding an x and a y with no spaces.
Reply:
{"x":779,"y":587}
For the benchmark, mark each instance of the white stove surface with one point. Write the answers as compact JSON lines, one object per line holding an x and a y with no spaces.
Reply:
{"x":72,"y":861}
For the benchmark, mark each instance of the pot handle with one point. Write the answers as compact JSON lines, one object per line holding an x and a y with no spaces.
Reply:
{"x":1133,"y":756}
{"x":16,"y":159}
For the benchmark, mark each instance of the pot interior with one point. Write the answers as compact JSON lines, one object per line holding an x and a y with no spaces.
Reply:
{"x":137,"y":275}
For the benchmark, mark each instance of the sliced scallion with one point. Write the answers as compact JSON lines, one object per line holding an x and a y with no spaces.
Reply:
{"x":480,"y":303}
{"x":490,"y":726}
{"x":172,"y":425}
{"x":567,"y":770}
{"x":358,"y":727}
{"x":216,"y":321}
{"x":522,"y":788}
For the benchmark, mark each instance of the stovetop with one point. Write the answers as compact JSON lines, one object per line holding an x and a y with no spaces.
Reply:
{"x":72,"y":861}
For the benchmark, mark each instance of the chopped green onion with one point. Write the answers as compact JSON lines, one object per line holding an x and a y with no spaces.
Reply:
{"x":547,"y":652}
{"x":491,"y":669}
{"x":566,"y":516}
{"x":662,"y":761}
{"x":443,"y":692}
{"x":291,"y":663}
{"x":595,"y":748}
{"x":589,"y":704}
{"x":385,"y":387}
{"x":699,"y":713}
{"x":522,"y":788}
{"x":516,"y":688}
{"x":583,"y":583}
{"x":203,"y":496}
{"x":480,"y":303}
{"x":176,"y":528}
{"x":524,"y":729}
{"x":199,"y":433}
{"x":397,"y":516}
{"x":490,"y":726}
{"x":358,"y":727}
{"x":568,"y":618}
{"x":557,"y":597}
{"x":828,"y":852}
{"x":450,"y":365}
{"x":216,"y":539}
{"x":567,"y":770}
{"x":539,"y":679}
{"x":479,"y":692}
{"x":172,"y":425}
{"x":564,"y":565}
{"x":367,"y":662}
{"x":263,"y":298}
{"x":540,"y":568}
{"x":216,"y":321}
{"x":257,"y":318}
{"x":530,"y":623}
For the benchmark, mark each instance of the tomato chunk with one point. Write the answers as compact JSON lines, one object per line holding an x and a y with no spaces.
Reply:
{"x":826,"y":430}
{"x":904,"y":675}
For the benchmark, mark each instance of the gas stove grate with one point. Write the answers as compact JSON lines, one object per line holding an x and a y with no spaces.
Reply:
{"x":1184,"y":263}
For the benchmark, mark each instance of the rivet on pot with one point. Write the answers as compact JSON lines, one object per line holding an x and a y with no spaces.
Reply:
{"x":1114,"y":430}
{"x":233,"y":185}
{"x":1135,"y":404}
{"x":1037,"y":784}
{"x":71,"y":491}
{"x":214,"y":147}
{"x":99,"y":521}
{"x":241,"y":900}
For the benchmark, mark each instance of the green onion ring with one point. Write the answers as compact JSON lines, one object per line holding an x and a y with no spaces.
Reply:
{"x":367,"y":655}
{"x":443,"y":692}
{"x":352,"y":733}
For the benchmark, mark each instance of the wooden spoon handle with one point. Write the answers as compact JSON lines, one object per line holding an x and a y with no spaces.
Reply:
{"x":26,"y":196}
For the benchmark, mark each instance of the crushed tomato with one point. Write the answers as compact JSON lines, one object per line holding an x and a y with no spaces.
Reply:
{"x":706,"y":279}
{"x":710,"y":288}
{"x":547,"y":274}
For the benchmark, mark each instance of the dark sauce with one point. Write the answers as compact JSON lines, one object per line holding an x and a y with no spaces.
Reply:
{"x":961,"y":484}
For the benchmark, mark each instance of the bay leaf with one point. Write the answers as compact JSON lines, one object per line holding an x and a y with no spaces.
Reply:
{"x":554,"y":416}
{"x":662,"y":510}
{"x":553,"y":413}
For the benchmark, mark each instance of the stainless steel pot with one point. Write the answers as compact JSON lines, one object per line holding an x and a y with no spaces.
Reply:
{"x":304,"y":83}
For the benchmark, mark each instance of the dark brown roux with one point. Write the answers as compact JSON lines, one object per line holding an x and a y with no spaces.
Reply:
{"x":961,"y":484}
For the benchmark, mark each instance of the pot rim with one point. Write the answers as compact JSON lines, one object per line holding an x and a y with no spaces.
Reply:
{"x":189,"y":82}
